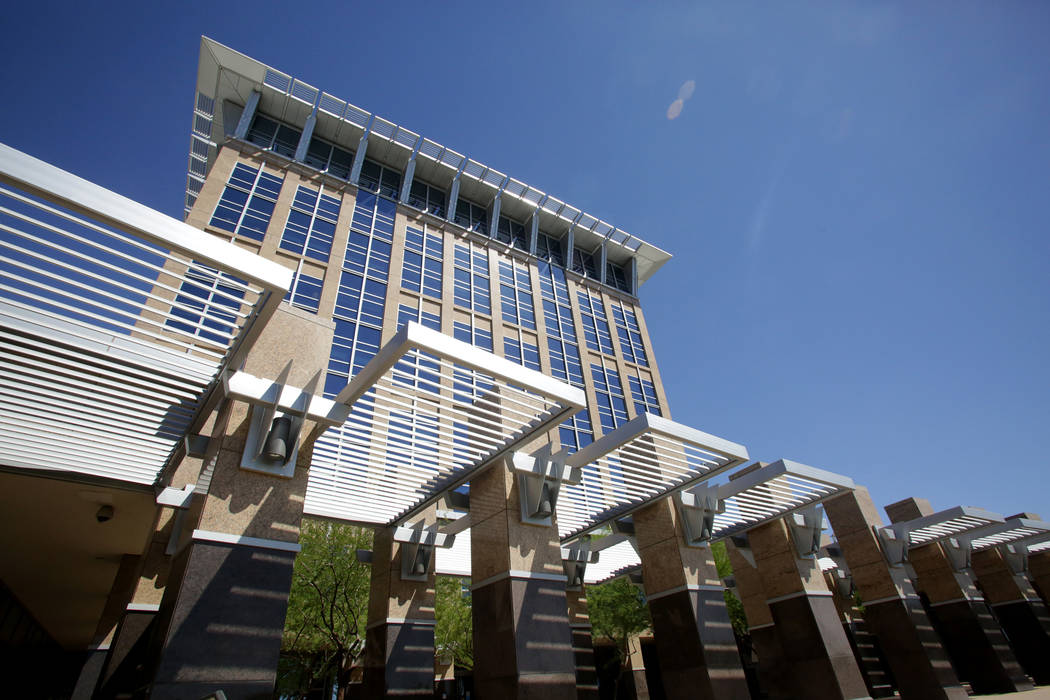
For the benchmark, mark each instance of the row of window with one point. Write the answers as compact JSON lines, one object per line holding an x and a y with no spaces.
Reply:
{"x":361,"y":296}
{"x":280,"y":138}
{"x":246,"y":206}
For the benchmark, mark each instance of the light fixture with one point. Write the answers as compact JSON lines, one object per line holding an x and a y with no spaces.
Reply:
{"x":276,"y":446}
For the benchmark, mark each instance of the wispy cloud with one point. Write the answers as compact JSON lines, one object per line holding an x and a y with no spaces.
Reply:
{"x":757,"y":229}
{"x":684,"y":93}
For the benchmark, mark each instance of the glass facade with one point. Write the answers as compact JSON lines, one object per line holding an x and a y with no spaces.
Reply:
{"x":471,"y":216}
{"x":595,"y":323}
{"x":424,"y":251}
{"x":273,"y":136}
{"x":471,"y":283}
{"x":630,"y":335}
{"x":612,"y":406}
{"x":576,"y":336}
{"x":362,"y":290}
{"x":247,"y":202}
{"x":516,"y":293}
{"x":311,"y":224}
{"x":305,"y":292}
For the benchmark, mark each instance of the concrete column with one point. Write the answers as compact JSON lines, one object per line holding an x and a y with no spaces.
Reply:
{"x":974,"y":641}
{"x":105,"y":631}
{"x":774,"y":675}
{"x":892,"y":609}
{"x":1019,"y":609}
{"x":399,"y":643}
{"x":1039,"y":574}
{"x":582,"y":645}
{"x":694,"y":637}
{"x":222,"y":613}
{"x":127,"y":664}
{"x":634,"y":669}
{"x":805,"y":619}
{"x":522,"y":639}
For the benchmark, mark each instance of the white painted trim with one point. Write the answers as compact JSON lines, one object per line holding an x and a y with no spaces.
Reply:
{"x":418,"y":621}
{"x":143,"y":607}
{"x":514,"y":573}
{"x":687,"y":587}
{"x":888,"y":598}
{"x":225,"y":538}
{"x":964,"y":599}
{"x":799,"y":594}
{"x":1009,"y":602}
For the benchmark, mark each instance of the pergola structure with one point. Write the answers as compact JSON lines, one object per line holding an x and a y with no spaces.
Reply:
{"x":714,"y":512}
{"x":117,"y":325}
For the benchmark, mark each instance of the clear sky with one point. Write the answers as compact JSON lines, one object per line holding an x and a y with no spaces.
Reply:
{"x":855,"y":194}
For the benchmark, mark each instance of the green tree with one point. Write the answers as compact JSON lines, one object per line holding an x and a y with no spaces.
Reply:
{"x":454,"y":631}
{"x":618,"y":611}
{"x":733,"y":604}
{"x":324,"y":630}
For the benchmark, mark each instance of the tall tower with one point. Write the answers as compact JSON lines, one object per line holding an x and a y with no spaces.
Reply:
{"x":383,"y":226}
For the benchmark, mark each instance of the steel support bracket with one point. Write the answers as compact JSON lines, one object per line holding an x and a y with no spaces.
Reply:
{"x":806,"y":527}
{"x":539,"y":479}
{"x":698,"y":507}
{"x":417,"y":550}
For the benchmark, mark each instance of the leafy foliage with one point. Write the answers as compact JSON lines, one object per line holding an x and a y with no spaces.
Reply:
{"x":618,"y":611}
{"x":454,"y":632}
{"x":324,"y":630}
{"x":733,"y":604}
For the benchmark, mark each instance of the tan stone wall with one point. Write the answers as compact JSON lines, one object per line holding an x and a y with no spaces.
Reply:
{"x":667,"y":563}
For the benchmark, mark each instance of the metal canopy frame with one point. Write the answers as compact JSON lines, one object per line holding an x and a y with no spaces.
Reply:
{"x":1038,"y":543}
{"x":116,"y":322}
{"x":1013,"y":531}
{"x":225,"y":74}
{"x":951,"y":523}
{"x":771,"y":492}
{"x":427,"y":414}
{"x":618,"y":559}
{"x":643,"y":460}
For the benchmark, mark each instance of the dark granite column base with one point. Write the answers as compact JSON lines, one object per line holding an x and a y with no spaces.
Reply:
{"x":583,"y":654}
{"x":399,"y":659}
{"x":523,"y":645}
{"x":221,"y":620}
{"x":697,"y":649}
{"x":1028,"y":638}
{"x":919,"y":663}
{"x":89,"y":674}
{"x":636,"y":677}
{"x":816,"y":649}
{"x":977,"y":647}
{"x":773,"y":675}
{"x":125,"y":669}
{"x":233,"y":690}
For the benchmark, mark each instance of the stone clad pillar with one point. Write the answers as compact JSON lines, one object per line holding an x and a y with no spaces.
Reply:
{"x":1039,"y":574}
{"x":105,"y":632}
{"x":522,"y":640}
{"x":694,"y":637}
{"x":399,"y":645}
{"x":582,"y":645}
{"x":979,"y":651}
{"x":1019,"y":609}
{"x":892,"y":609}
{"x":222,"y":614}
{"x":634,"y":669}
{"x":805,"y":619}
{"x":773,"y":673}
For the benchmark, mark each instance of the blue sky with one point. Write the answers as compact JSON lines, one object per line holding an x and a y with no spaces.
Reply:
{"x":855,"y":193}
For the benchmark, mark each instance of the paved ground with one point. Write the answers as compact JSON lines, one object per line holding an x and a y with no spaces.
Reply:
{"x":1040,"y":693}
